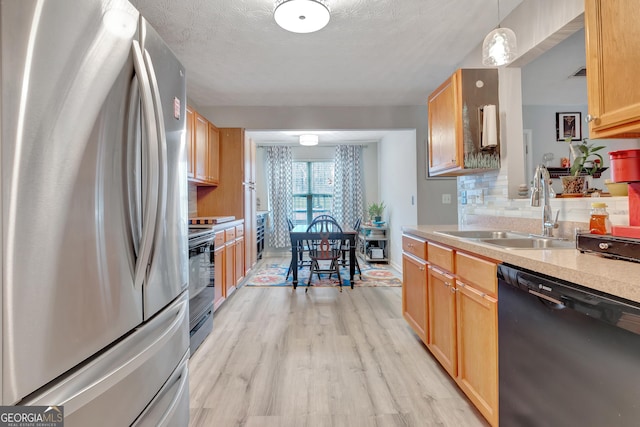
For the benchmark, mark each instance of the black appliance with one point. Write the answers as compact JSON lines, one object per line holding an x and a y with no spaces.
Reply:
{"x":569,"y":356}
{"x":625,"y":248}
{"x":201,"y":285}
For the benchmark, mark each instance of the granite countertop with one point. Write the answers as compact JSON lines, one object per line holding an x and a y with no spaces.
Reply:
{"x":214,"y":228}
{"x":615,"y":277}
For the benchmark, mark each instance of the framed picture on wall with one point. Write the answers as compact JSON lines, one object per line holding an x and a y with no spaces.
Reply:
{"x":568,"y":125}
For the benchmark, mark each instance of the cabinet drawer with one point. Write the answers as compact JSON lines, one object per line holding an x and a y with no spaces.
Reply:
{"x":229,"y":234}
{"x":219,"y":240}
{"x":414,"y":246}
{"x":440,"y":256}
{"x":477,"y":272}
{"x":239,"y":230}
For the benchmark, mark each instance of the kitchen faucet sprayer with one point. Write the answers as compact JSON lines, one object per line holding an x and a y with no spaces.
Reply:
{"x":541,"y":184}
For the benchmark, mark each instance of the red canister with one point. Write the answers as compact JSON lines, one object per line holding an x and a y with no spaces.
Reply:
{"x":625,"y":165}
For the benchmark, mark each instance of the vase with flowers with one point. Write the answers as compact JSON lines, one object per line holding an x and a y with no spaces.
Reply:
{"x":583,"y":165}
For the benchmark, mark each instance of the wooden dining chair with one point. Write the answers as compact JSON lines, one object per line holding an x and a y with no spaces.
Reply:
{"x":325,"y":250}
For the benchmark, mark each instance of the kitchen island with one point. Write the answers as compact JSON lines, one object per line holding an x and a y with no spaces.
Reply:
{"x":450,"y":298}
{"x":615,"y":277}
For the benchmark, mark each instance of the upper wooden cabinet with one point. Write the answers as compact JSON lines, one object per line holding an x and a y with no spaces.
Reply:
{"x":203,"y":152}
{"x":612,"y":43}
{"x":213,"y":167}
{"x":201,"y":145}
{"x":456,"y":116}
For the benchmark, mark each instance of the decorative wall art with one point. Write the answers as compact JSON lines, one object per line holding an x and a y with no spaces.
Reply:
{"x":568,"y":127}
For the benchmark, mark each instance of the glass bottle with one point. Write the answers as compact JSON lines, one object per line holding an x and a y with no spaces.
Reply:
{"x":599,"y":222}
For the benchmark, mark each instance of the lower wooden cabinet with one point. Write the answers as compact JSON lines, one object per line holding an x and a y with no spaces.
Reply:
{"x":239,"y":261}
{"x":218,"y":262}
{"x":477,"y":334}
{"x":229,"y":261}
{"x":453,"y":308}
{"x":414,"y":294}
{"x":441,"y":311}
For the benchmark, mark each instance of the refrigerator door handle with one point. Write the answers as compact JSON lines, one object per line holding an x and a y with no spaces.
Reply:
{"x":151,"y":197}
{"x":161,"y":140}
{"x":133,"y":166}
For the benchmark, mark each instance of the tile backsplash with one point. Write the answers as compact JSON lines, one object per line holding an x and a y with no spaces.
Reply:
{"x":193,"y":200}
{"x":483,"y":200}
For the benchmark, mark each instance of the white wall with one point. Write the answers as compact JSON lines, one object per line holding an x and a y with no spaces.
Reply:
{"x":397,"y":189}
{"x":429,"y":191}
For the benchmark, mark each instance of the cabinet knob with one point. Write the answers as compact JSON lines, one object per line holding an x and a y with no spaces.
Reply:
{"x":603,"y":246}
{"x":421,"y":268}
{"x":447,"y":284}
{"x":453,"y":290}
{"x":589,"y":118}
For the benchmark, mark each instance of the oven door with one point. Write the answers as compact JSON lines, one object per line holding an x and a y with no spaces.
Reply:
{"x":200,"y":265}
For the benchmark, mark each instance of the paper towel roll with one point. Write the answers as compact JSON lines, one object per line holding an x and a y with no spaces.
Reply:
{"x":489,"y":127}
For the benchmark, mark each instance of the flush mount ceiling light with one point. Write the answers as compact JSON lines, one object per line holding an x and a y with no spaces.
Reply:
{"x":308,"y":140}
{"x":499,"y":47}
{"x":301,"y":16}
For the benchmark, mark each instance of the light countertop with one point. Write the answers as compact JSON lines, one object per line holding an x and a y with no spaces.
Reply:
{"x":620,"y":278}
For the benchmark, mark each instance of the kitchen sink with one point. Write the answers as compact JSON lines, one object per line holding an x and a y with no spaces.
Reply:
{"x":531,"y":243}
{"x":483,"y":234}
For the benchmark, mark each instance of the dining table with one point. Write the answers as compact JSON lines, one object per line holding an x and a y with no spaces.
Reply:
{"x":299,"y":234}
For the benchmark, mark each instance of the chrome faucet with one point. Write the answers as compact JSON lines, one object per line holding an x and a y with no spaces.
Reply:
{"x":541,"y":181}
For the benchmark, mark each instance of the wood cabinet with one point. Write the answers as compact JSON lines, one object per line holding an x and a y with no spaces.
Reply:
{"x":213,"y":155}
{"x":441,"y":307}
{"x":414,"y":284}
{"x":456,"y":113}
{"x":239,"y":251}
{"x":477,"y":340}
{"x":414,"y":294}
{"x":229,"y":261}
{"x":458,"y":319}
{"x":219,"y":268}
{"x":202,"y":149}
{"x":612,"y":45}
{"x":189,"y":140}
{"x":233,"y":195}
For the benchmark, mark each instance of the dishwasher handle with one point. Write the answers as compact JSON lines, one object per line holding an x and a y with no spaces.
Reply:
{"x":558,"y":303}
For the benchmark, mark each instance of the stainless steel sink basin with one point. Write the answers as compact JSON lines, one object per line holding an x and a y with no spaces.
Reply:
{"x":531,"y":243}
{"x":483,"y":234}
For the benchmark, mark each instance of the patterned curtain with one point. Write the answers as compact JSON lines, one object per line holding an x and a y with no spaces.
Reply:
{"x":348,"y":188}
{"x":279,"y":167}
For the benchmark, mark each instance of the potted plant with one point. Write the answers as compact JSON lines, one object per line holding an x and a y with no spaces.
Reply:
{"x":582,"y":162}
{"x":375,"y":211}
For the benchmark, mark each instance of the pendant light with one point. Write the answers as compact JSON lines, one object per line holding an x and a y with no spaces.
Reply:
{"x":499,"y":47}
{"x":302,"y":16}
{"x":308,"y":140}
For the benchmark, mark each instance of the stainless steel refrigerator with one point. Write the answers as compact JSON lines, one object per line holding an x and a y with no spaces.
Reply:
{"x":94,"y":214}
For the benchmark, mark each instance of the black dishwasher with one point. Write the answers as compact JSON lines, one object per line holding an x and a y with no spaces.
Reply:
{"x":569,"y":356}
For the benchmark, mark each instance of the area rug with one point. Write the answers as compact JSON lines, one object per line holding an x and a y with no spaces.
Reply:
{"x":274,"y":274}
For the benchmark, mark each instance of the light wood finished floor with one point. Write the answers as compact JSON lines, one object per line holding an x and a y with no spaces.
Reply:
{"x":279,"y":358}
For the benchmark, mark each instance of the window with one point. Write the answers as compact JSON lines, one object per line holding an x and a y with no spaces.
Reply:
{"x":312,"y":190}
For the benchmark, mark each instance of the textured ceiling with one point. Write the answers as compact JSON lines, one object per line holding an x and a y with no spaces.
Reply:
{"x":372,"y":52}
